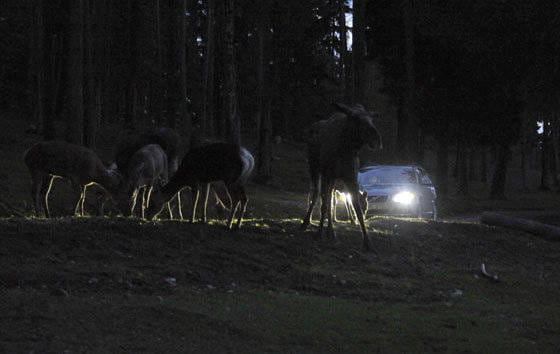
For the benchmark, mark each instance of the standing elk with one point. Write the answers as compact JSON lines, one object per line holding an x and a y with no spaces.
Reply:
{"x":51,"y":159}
{"x":225,"y":162}
{"x":332,"y":155}
{"x":145,"y":168}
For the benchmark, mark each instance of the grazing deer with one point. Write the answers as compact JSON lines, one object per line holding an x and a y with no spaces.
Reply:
{"x":225,"y":162}
{"x":145,"y":168}
{"x":168,"y":140}
{"x":48,"y":160}
{"x":332,"y":155}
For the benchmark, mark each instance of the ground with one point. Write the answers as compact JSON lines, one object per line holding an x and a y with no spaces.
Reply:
{"x":100,"y":284}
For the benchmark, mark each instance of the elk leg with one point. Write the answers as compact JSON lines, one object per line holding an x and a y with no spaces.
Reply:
{"x":326,"y":195}
{"x":334,"y":204}
{"x":206,"y":193}
{"x":312,"y":199}
{"x":196,"y":193}
{"x":330,"y":226}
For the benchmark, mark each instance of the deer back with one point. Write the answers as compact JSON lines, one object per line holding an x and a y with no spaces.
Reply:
{"x":63,"y":159}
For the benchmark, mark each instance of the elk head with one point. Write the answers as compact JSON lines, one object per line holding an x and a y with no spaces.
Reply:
{"x":363,"y":121}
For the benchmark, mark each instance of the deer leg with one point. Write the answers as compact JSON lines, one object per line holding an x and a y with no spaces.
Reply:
{"x":83,"y":200}
{"x":180,"y":205}
{"x":196,"y":193}
{"x":134,"y":197}
{"x":312,"y":199}
{"x":79,"y":203}
{"x":37,"y":195}
{"x":326,"y":190}
{"x":169,"y":210}
{"x":355,"y":193}
{"x":206,"y":193}
{"x":242,"y":203}
{"x":330,"y":226}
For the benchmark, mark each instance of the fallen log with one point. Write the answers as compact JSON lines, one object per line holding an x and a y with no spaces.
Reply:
{"x":546,"y":231}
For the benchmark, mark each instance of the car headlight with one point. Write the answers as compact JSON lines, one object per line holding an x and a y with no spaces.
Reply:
{"x":344,"y":197}
{"x":404,"y":197}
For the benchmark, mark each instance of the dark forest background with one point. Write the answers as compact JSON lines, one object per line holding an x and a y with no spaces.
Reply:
{"x":466,"y":82}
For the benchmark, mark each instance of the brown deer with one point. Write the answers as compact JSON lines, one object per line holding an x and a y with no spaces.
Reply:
{"x":145,"y":168}
{"x":48,"y":160}
{"x":225,"y":162}
{"x":167,"y":139}
{"x":333,"y":147}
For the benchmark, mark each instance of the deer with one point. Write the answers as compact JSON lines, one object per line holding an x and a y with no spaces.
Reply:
{"x":168,"y":140}
{"x":145,"y":168}
{"x":48,"y":160}
{"x":230,"y":163}
{"x":332,"y":152}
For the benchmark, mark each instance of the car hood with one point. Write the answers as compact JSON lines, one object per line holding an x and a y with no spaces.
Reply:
{"x":387,"y":189}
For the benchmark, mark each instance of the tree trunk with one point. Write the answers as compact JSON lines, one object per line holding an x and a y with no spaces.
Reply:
{"x":549,"y":232}
{"x":75,"y":98}
{"x":233,"y":129}
{"x":358,"y":50}
{"x":177,"y":117}
{"x":484,"y":165}
{"x":544,"y":158}
{"x":133,"y":53}
{"x":263,"y":116}
{"x":442,"y":166}
{"x":498,"y":186}
{"x":411,"y":141}
{"x":343,"y":50}
{"x":472,"y":163}
{"x":90,"y":109}
{"x":37,"y":81}
{"x":209,"y":60}
{"x":462,"y":161}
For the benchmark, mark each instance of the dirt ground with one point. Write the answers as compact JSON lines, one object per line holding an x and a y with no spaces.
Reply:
{"x":124,"y":285}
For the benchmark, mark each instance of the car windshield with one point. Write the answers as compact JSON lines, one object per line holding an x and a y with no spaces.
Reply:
{"x":387,"y":175}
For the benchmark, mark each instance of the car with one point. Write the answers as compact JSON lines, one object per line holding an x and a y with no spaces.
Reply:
{"x":399,"y":190}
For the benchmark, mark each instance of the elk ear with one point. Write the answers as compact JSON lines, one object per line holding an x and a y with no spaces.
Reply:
{"x":364,"y":194}
{"x":341,"y":107}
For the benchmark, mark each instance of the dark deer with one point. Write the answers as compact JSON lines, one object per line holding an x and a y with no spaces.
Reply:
{"x":229,"y":163}
{"x":51,"y":159}
{"x":145,"y":168}
{"x":332,"y":155}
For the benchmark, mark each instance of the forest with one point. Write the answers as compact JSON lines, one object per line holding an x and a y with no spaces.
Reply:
{"x":468,"y":90}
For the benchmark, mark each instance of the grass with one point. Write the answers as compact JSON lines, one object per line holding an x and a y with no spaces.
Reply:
{"x":99,"y":284}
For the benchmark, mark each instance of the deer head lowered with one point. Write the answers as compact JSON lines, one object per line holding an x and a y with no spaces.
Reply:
{"x":48,"y":160}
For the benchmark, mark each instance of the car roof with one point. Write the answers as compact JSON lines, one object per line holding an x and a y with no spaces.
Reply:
{"x":382,"y":167}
